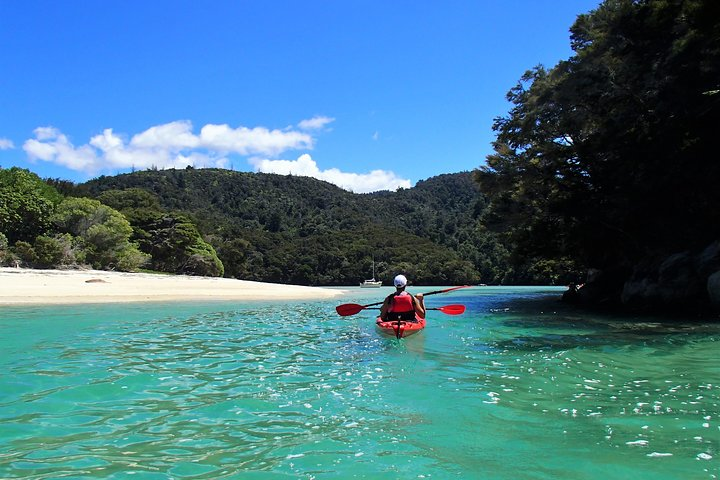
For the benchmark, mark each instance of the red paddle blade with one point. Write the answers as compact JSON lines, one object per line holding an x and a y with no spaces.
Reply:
{"x":348,"y":309}
{"x":451,"y":309}
{"x":352,"y":308}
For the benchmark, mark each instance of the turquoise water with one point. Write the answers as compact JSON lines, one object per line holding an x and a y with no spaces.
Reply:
{"x":516,"y":388}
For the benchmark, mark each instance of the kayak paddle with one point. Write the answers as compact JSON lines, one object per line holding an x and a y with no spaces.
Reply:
{"x":450,"y":309}
{"x":352,"y":308}
{"x":447,"y":309}
{"x":347,"y":309}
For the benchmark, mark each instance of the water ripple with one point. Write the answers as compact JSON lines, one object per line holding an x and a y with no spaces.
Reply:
{"x":159,"y":395}
{"x":295,"y":391}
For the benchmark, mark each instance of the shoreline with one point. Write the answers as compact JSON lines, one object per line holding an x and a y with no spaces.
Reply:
{"x":23,"y":286}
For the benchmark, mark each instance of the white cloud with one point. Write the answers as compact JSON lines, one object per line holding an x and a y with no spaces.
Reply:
{"x":305,"y":166}
{"x":6,"y":144}
{"x":46,"y":133}
{"x":175,"y":145}
{"x":51,"y":145}
{"x":252,"y":141}
{"x":315,"y":123}
{"x":376,"y":136}
{"x":171,"y":145}
{"x":174,"y":135}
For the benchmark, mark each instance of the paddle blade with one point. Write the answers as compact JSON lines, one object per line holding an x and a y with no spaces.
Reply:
{"x":451,"y":309}
{"x":352,"y":308}
{"x":348,"y":309}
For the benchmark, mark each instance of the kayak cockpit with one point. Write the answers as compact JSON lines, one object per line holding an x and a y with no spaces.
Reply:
{"x":400,"y":328}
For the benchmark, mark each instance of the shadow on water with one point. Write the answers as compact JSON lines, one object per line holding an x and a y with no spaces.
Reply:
{"x":544,"y":322}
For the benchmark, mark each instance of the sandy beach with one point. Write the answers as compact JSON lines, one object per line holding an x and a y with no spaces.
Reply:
{"x":20,"y":286}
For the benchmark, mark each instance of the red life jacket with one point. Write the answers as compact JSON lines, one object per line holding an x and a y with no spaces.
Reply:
{"x":401,"y":307}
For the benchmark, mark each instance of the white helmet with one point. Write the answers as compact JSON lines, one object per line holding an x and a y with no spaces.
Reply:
{"x":400,"y":281}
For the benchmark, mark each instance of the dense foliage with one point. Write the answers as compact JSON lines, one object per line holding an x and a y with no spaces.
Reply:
{"x":171,"y":240}
{"x":26,"y":203}
{"x":609,"y":157}
{"x":101,"y":231}
{"x":41,"y":228}
{"x":301,"y":230}
{"x":274,"y":228}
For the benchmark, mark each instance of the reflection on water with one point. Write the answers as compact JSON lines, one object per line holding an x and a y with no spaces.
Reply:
{"x":280,"y":389}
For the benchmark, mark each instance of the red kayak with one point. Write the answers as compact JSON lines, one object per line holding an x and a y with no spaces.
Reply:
{"x":400,"y":329}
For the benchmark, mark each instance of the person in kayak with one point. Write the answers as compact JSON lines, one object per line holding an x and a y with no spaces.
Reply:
{"x":401,"y":305}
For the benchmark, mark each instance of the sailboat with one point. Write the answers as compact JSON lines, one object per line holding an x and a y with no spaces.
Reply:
{"x":372,"y":283}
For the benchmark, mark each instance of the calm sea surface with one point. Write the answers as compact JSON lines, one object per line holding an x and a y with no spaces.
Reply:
{"x":516,"y":388}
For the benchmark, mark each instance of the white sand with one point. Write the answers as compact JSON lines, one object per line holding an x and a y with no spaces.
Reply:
{"x":20,"y":286}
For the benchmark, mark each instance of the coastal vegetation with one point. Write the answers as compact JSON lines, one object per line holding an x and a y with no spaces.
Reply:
{"x":41,"y":228}
{"x":609,"y":158}
{"x":287,"y":229}
{"x":272,"y":228}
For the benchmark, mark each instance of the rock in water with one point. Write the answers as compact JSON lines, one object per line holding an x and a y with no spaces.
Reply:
{"x":713,"y":288}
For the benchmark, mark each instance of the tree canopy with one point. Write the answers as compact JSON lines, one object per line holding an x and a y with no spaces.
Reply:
{"x":609,"y":156}
{"x":103,"y":232}
{"x":26,"y":203}
{"x":40,"y":227}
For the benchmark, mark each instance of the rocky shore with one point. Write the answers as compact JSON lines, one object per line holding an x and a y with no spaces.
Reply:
{"x":685,"y":283}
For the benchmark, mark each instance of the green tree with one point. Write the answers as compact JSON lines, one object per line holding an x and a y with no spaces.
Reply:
{"x":610,"y":156}
{"x":104,"y":231}
{"x":53,"y":251}
{"x":130,"y":199}
{"x":176,"y":246}
{"x":6,"y":256}
{"x":25,"y":252}
{"x":234,"y":254}
{"x":26,"y":203}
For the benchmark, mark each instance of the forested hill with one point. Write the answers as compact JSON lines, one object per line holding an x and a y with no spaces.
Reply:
{"x":298,"y":205}
{"x":301,"y":230}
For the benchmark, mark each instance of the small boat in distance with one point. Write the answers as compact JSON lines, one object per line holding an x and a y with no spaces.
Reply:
{"x":372,"y":283}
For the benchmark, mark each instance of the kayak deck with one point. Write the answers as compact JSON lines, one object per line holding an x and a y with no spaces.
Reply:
{"x":400,"y":329}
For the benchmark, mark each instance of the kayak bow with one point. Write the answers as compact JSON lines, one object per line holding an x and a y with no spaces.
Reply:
{"x":400,"y":328}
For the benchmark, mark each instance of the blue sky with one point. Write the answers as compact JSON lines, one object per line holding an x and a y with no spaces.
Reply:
{"x":366,"y":94}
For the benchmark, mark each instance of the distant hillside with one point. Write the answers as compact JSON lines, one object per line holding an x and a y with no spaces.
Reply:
{"x":279,"y":228}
